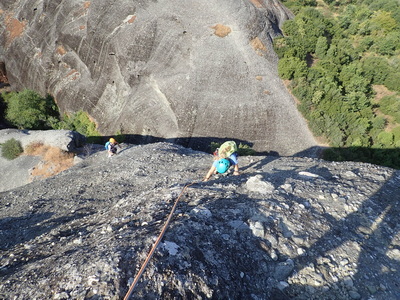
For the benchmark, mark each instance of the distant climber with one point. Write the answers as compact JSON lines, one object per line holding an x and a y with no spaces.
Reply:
{"x":111,"y":147}
{"x":224,"y":157}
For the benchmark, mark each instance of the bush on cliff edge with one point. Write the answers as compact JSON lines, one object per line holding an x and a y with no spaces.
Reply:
{"x":11,"y":149}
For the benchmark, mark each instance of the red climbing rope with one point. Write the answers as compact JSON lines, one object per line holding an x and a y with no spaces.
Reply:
{"x":135,"y":281}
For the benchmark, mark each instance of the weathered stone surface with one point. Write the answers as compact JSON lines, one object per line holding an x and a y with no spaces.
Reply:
{"x":17,"y":172}
{"x":257,"y":185}
{"x":65,"y":140}
{"x":84,"y":233}
{"x":181,"y":70}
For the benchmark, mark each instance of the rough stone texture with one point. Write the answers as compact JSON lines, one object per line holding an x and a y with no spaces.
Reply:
{"x":180,"y":70}
{"x":66,"y":140}
{"x":313,"y":230}
{"x":17,"y":172}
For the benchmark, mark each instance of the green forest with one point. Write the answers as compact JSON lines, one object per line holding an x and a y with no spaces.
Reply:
{"x":341,"y":60}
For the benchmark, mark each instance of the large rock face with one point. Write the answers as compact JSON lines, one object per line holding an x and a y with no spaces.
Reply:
{"x":181,"y":70}
{"x":286,"y":228}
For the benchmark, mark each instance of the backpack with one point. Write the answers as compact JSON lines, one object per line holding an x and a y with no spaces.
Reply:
{"x":227,"y":149}
{"x":106,"y":145}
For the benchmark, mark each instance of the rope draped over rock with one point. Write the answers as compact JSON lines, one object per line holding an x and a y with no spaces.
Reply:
{"x":157,"y":242}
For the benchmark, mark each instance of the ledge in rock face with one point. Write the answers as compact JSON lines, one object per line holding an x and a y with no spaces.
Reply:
{"x":65,"y":140}
{"x":17,"y":172}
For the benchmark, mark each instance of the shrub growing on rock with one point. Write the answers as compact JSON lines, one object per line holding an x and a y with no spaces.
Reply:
{"x":11,"y":149}
{"x":82,"y":123}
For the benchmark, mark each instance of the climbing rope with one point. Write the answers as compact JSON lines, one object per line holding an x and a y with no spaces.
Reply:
{"x":135,"y":281}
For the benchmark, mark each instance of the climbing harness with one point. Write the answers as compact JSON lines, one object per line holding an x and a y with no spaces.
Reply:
{"x":135,"y":281}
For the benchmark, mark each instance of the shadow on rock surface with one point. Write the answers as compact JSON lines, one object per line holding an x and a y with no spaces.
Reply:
{"x":286,"y":228}
{"x":373,"y":226}
{"x":285,"y":244}
{"x":203,"y":143}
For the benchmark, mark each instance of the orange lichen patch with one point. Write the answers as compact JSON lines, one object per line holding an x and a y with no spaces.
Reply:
{"x":73,"y":74}
{"x":132,"y":19}
{"x":54,"y":160}
{"x":61,"y":50}
{"x":221,"y":30}
{"x":258,"y":46}
{"x":14,"y":28}
{"x":259,"y":78}
{"x":257,"y":3}
{"x":82,"y":27}
{"x":82,"y":10}
{"x":73,"y":71}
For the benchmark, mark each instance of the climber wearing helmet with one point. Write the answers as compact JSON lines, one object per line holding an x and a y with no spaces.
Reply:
{"x":224,"y":157}
{"x":111,"y":147}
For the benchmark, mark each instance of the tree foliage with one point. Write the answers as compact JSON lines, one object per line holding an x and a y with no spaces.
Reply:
{"x":334,"y":58}
{"x":82,"y":123}
{"x":29,"y":110}
{"x":296,"y":5}
{"x":291,"y":68}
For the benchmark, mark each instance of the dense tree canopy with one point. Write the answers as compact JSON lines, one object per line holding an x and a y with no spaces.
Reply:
{"x":29,"y":110}
{"x":336,"y":54}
